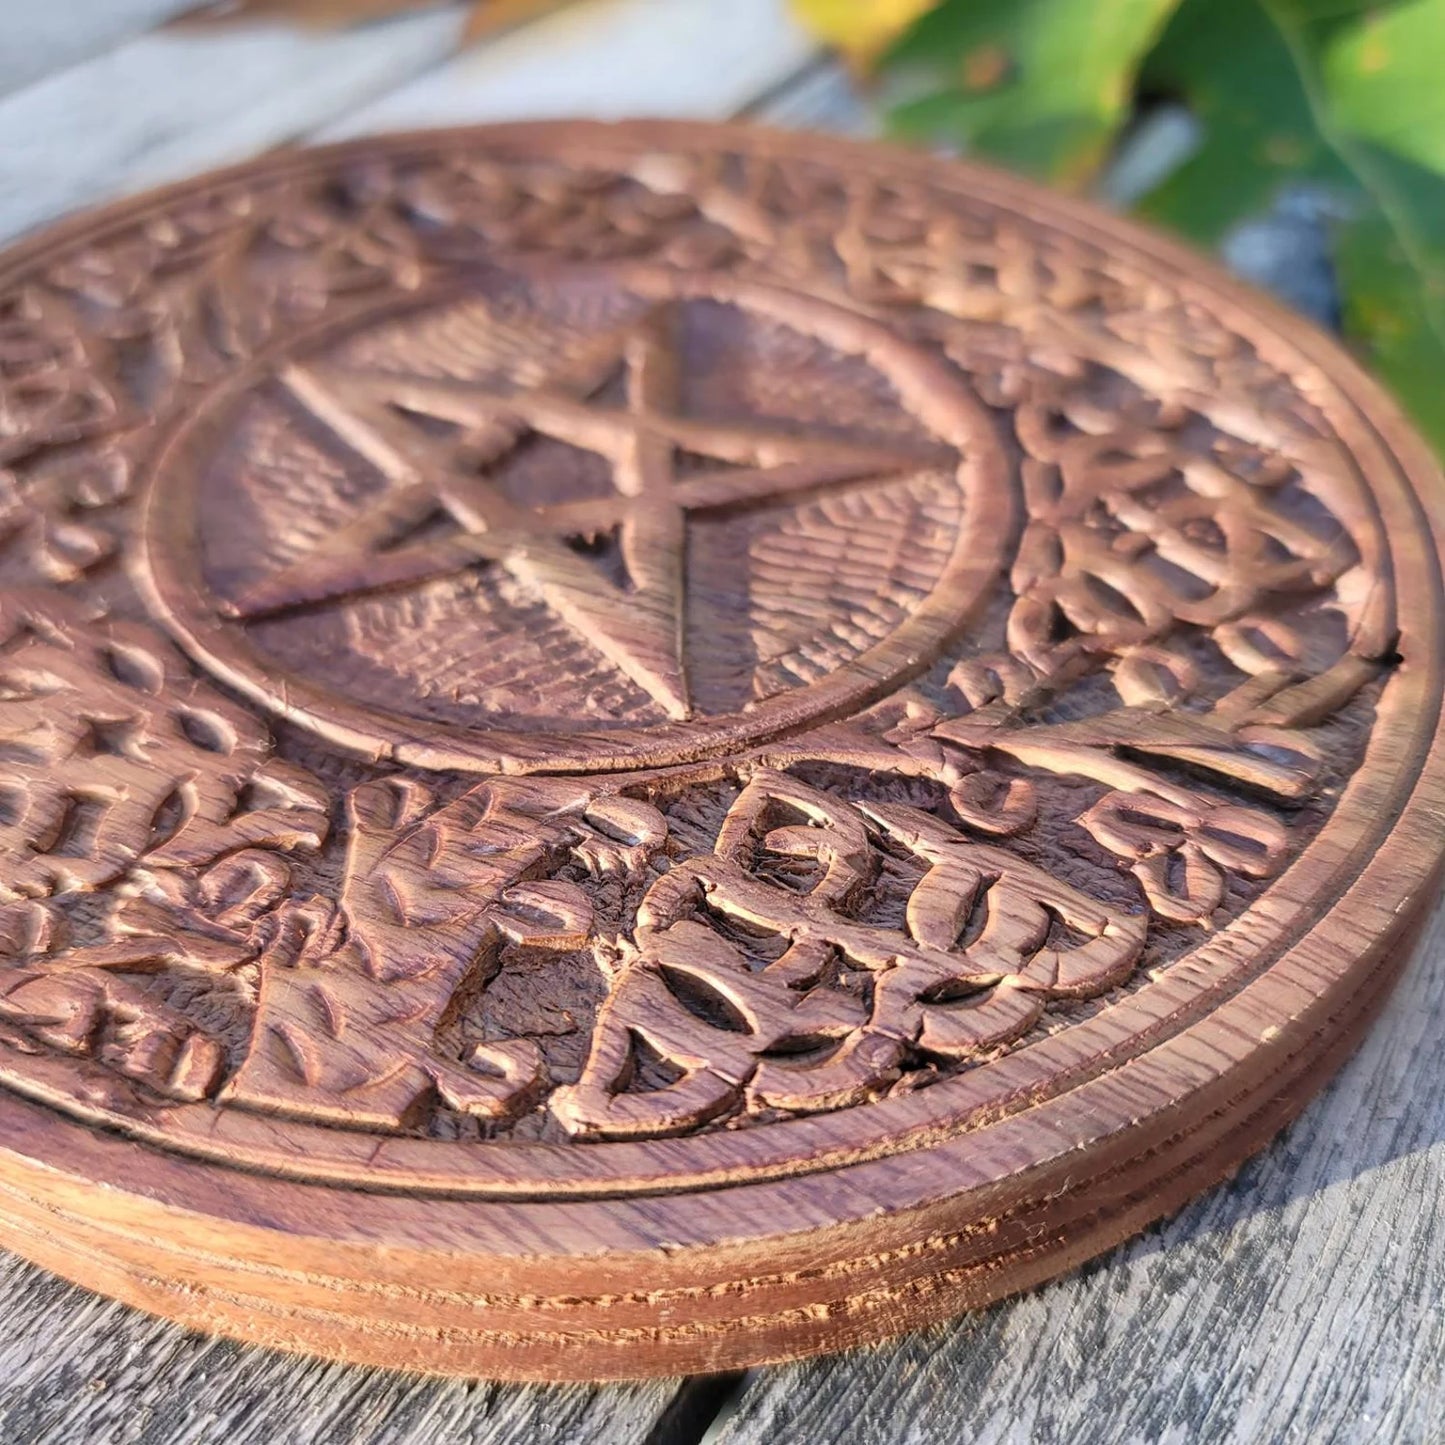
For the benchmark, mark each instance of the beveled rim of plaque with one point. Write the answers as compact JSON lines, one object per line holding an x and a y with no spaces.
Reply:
{"x":737,"y":1268}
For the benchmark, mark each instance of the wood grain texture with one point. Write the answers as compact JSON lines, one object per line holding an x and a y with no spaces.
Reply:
{"x":78,"y":1368}
{"x":1300,"y":1302}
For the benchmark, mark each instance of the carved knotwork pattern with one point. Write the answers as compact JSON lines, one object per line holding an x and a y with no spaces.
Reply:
{"x":969,"y":970}
{"x":1141,"y":730}
{"x":114,"y":755}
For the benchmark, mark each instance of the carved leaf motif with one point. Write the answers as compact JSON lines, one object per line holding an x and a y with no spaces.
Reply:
{"x":213,"y":921}
{"x":431,"y":892}
{"x":1209,"y":841}
{"x":111,"y":757}
{"x":352,"y":236}
{"x":1133,"y":531}
{"x":1181,"y":843}
{"x":50,"y":390}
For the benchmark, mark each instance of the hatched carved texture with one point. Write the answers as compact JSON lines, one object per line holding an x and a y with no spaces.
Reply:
{"x":927,"y":624}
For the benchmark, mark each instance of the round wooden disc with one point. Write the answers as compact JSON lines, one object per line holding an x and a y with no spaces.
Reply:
{"x":641,"y":749}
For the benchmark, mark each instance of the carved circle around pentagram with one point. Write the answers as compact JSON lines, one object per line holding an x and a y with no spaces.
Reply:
{"x":642,"y":749}
{"x":579,"y":518}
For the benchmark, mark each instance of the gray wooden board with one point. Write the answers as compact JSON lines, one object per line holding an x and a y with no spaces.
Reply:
{"x":39,"y":36}
{"x":78,"y":1368}
{"x":183,"y":99}
{"x":606,"y":59}
{"x":822,"y":96}
{"x":1302,"y":1302}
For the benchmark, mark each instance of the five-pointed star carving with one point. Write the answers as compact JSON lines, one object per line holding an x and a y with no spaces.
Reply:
{"x":638,"y":628}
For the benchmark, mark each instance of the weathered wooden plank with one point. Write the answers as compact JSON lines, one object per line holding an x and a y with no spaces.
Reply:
{"x":822,"y":96}
{"x":75,"y":1367}
{"x":183,"y":99}
{"x":604,"y":60}
{"x":1305,"y":1301}
{"x":41,"y":38}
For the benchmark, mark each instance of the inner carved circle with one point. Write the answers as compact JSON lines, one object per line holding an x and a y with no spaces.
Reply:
{"x":589,"y":519}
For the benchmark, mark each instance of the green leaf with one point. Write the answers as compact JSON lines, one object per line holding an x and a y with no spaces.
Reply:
{"x":1382,"y":77}
{"x":1229,"y":62}
{"x":1042,"y":85}
{"x":1391,"y":262}
{"x":1337,"y":92}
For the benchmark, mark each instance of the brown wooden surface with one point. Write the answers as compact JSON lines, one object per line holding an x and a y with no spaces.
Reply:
{"x":1300,"y":1301}
{"x":1034,"y":764}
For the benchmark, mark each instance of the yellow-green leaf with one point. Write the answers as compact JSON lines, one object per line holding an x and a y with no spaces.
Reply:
{"x":1339,"y":92}
{"x":861,"y":29}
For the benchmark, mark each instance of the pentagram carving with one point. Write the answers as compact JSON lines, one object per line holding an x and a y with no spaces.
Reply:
{"x":648,"y":748}
{"x":668,"y":470}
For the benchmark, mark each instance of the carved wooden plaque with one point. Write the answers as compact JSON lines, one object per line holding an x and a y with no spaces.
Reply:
{"x":641,"y":749}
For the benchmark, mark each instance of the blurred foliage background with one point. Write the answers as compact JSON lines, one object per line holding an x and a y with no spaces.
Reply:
{"x":1198,"y":115}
